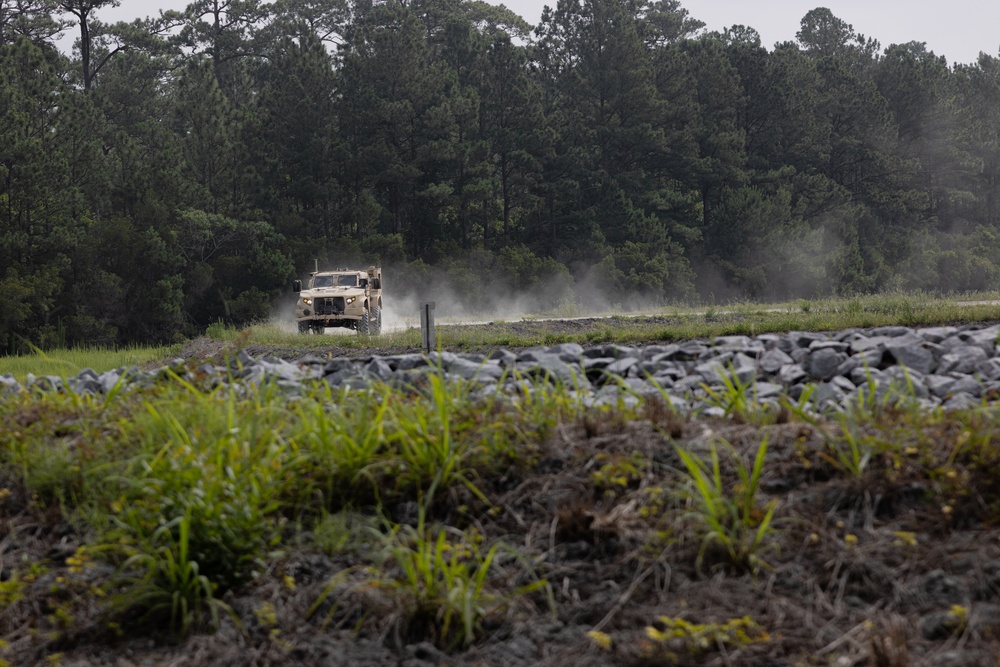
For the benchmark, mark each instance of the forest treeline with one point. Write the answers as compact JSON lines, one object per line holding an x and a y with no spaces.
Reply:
{"x":184,"y":169}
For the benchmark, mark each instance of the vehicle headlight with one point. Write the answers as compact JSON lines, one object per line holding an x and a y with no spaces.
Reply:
{"x":307,"y":301}
{"x":351,"y":299}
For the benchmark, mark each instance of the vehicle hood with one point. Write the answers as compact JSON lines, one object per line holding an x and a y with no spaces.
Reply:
{"x":320,"y":292}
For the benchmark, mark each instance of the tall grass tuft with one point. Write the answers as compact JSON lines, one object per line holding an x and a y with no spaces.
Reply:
{"x":443,"y":583}
{"x":727,"y":516}
{"x":219,"y":461}
{"x":164,"y":583}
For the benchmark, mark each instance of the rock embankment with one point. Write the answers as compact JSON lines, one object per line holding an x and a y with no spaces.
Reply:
{"x":953,"y":367}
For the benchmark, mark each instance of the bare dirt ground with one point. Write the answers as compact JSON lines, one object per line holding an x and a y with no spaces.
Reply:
{"x":897,"y":565}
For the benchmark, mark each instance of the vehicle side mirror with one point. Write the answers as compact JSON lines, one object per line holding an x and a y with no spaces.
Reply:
{"x":296,"y":285}
{"x":363,"y":282}
{"x":376,"y":283}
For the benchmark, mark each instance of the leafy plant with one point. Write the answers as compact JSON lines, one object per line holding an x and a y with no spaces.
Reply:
{"x":727,"y":517}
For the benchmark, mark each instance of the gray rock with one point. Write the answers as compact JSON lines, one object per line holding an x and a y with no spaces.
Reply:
{"x":688,"y":351}
{"x":911,"y":356}
{"x":379,"y":369}
{"x":865,"y":343}
{"x":967,"y":385}
{"x":792,"y":374}
{"x":862,"y":375}
{"x":803,"y":338}
{"x":961,"y":359}
{"x":842,"y":383}
{"x":961,"y":401}
{"x":892,"y":331}
{"x":689,"y":383}
{"x":822,"y":364}
{"x":766,"y":390}
{"x":568,"y":352}
{"x":613,"y":351}
{"x":651,"y":352}
{"x":734,"y":342}
{"x":503,"y":357}
{"x":554,"y":369}
{"x":827,"y":395}
{"x":85,"y":385}
{"x":939,"y":385}
{"x":712,"y":372}
{"x":621,"y":366}
{"x":837,"y":345}
{"x":936,"y":334}
{"x":772,"y":361}
{"x":985,"y":338}
{"x":799,"y":354}
{"x":476,"y":371}
{"x":989,"y":369}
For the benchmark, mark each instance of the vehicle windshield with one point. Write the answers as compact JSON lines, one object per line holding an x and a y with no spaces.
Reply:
{"x":347,"y":281}
{"x":323,"y":281}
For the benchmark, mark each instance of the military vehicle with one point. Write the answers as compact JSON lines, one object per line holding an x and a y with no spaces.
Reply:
{"x":346,"y":298}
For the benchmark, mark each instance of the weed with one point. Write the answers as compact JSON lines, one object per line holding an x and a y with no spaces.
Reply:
{"x":618,"y":472}
{"x":345,"y":532}
{"x":11,"y":591}
{"x":444,"y":583}
{"x":850,"y":453}
{"x":729,"y":518}
{"x":341,"y":438}
{"x":428,"y":453}
{"x":600,"y":420}
{"x":167,"y":584}
{"x":693,"y":640}
{"x":221,"y":466}
{"x":737,"y":398}
{"x":660,"y":411}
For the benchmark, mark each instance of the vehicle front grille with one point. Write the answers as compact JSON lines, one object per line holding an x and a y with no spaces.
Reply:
{"x":333,"y":305}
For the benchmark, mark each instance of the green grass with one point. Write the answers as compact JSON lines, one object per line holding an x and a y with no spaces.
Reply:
{"x":665,"y":324}
{"x":69,"y":362}
{"x":725,"y":516}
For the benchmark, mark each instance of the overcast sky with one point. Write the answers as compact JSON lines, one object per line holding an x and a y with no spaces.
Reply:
{"x":956,"y":29}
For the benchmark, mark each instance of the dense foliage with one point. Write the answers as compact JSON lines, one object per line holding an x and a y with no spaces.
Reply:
{"x":182,"y":170}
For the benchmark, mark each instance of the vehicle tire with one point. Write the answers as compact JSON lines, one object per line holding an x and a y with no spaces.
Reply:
{"x":376,"y":321}
{"x":304,"y":327}
{"x":363,"y":324}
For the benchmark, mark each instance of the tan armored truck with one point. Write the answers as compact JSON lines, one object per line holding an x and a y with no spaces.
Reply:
{"x":340,"y":298}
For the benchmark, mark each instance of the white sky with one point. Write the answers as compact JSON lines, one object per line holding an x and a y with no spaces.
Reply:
{"x":957,"y":29}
